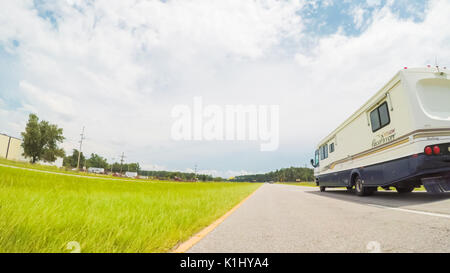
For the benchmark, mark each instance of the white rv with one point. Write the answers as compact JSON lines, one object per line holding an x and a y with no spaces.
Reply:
{"x":400,"y":138}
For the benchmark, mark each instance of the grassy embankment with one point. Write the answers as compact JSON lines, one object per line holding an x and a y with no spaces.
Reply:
{"x":55,"y":169}
{"x":42,"y":212}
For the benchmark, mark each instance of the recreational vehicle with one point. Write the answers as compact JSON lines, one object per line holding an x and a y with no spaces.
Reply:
{"x":399,"y":138}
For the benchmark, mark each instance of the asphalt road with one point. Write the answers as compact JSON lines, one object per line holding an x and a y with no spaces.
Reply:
{"x":282,"y":218}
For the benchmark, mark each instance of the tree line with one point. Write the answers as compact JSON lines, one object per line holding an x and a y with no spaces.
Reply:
{"x":41,"y":139}
{"x":291,"y":174}
{"x":167,"y":175}
{"x":97,"y":161}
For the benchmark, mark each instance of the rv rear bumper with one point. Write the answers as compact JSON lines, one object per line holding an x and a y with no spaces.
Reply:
{"x":431,"y":171}
{"x":437,"y":184}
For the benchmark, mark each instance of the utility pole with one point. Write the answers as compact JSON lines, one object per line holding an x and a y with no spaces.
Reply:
{"x":195,"y":172}
{"x":121,"y":162}
{"x":79,"y":151}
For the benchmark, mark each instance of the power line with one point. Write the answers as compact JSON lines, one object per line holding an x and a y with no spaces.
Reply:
{"x":79,"y":151}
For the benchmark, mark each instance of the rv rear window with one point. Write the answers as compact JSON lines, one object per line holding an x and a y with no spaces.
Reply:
{"x":379,"y":117}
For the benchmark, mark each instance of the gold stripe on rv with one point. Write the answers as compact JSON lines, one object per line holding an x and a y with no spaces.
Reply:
{"x":370,"y":152}
{"x":400,"y":141}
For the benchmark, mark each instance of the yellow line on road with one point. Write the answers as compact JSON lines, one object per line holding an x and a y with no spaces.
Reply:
{"x":199,"y":236}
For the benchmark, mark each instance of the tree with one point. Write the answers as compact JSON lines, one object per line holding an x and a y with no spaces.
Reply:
{"x":283,"y":175}
{"x":97,"y":161}
{"x":132,"y":167}
{"x":71,"y":160}
{"x":40,"y":140}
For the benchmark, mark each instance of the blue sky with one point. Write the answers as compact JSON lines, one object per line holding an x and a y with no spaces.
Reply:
{"x":119,"y":67}
{"x":328,"y":17}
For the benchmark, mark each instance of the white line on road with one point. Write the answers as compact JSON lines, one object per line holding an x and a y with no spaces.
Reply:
{"x":412,"y":211}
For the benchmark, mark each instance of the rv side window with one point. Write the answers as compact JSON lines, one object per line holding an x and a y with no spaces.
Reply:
{"x":375,"y":120}
{"x":331,"y":148}
{"x":323,"y":152}
{"x":316,"y":162}
{"x":384,"y":115}
{"x":379,"y":117}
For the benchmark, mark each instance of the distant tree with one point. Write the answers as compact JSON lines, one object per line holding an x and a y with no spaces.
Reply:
{"x":71,"y":160}
{"x":40,"y":140}
{"x":115,"y":167}
{"x":97,"y":161}
{"x":132,"y":167}
{"x":284,"y":175}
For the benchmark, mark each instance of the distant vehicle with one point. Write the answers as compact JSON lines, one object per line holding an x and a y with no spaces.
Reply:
{"x":96,"y":170}
{"x":131,"y":174}
{"x":399,"y":138}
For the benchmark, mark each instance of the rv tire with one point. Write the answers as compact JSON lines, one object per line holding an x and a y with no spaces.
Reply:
{"x":360,"y":189}
{"x":322,"y":188}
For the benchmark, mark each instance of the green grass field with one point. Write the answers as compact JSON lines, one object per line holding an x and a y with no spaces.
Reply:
{"x":42,"y":212}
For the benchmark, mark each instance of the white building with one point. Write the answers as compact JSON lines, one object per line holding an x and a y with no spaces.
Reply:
{"x":11,"y":149}
{"x":96,"y":170}
{"x":131,"y":174}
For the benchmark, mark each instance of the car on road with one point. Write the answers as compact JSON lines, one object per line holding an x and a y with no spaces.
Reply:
{"x":399,"y":138}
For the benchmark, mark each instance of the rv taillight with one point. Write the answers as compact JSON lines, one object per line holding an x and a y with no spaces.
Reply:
{"x":436,"y":150}
{"x":428,"y":151}
{"x":405,"y":67}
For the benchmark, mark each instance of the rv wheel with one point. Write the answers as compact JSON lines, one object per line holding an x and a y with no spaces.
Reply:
{"x":360,"y":189}
{"x":322,"y":188}
{"x":404,"y":189}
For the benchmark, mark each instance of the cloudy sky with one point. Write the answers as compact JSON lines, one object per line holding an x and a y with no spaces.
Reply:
{"x":119,"y":67}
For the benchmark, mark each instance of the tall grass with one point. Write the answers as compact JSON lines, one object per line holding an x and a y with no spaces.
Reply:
{"x":42,"y":212}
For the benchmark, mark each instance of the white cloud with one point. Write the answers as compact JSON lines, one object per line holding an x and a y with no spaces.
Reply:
{"x":118,"y":67}
{"x":358,"y":16}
